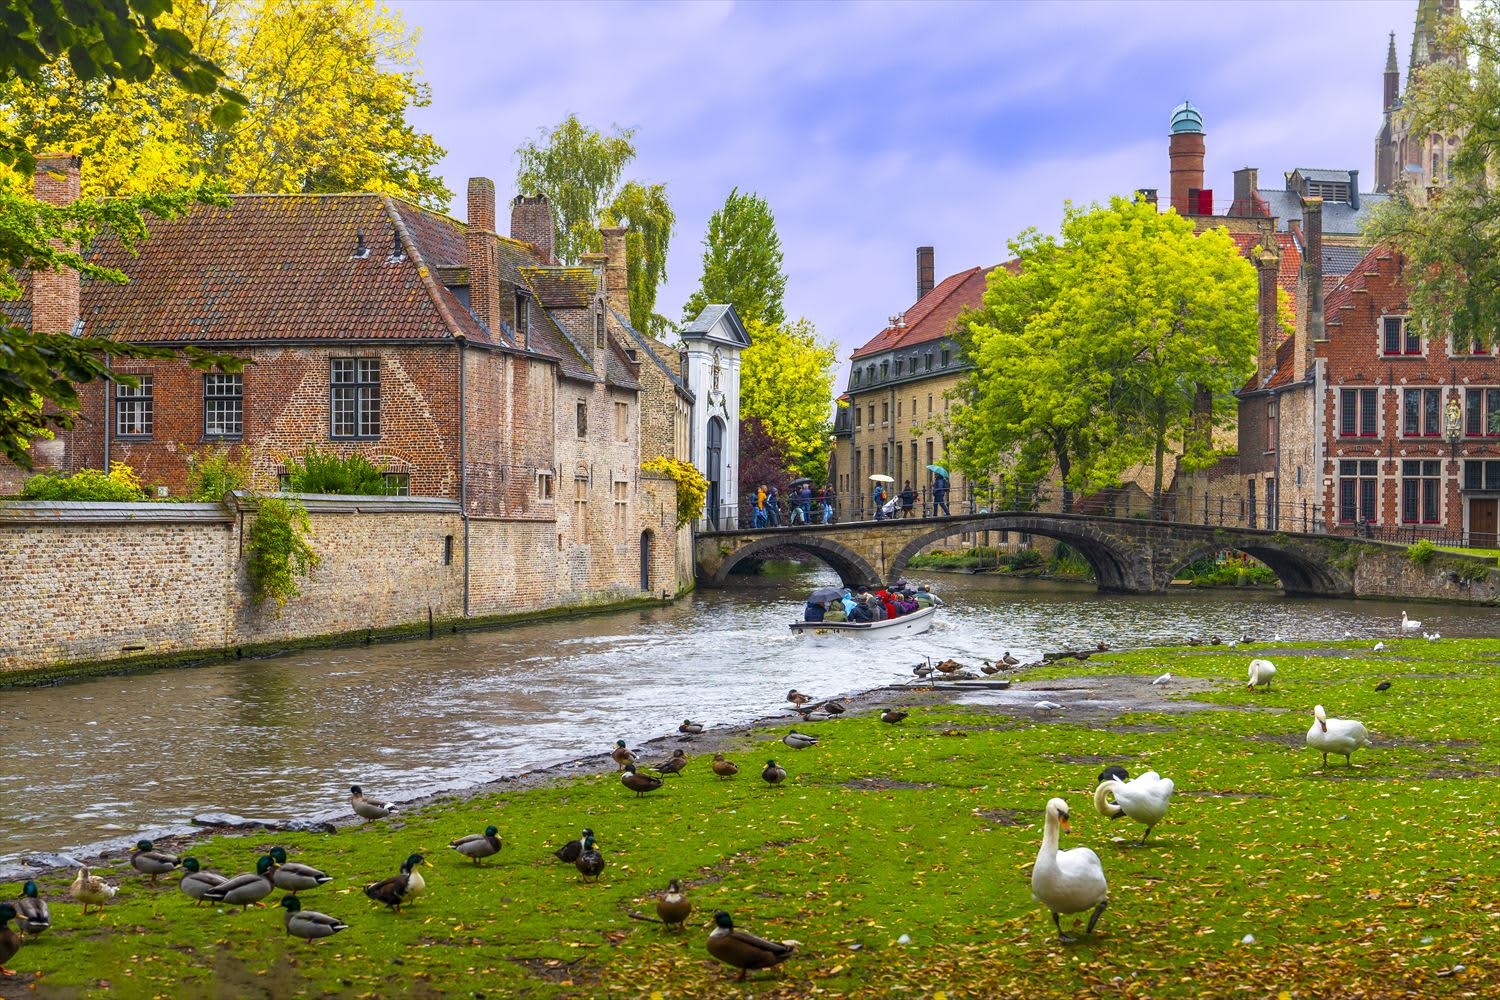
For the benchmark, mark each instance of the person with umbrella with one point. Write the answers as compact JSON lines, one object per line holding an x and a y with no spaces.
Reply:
{"x":880,"y":495}
{"x":939,"y":490}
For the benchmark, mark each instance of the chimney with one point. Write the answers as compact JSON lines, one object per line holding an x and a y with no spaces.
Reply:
{"x":1354,"y":189}
{"x":1185,"y":151}
{"x":55,"y":294}
{"x":531,"y":222}
{"x":1246,"y":192}
{"x":1267,"y":266}
{"x":925,"y":279}
{"x":1310,"y":326}
{"x":479,"y":253}
{"x":616,"y":272}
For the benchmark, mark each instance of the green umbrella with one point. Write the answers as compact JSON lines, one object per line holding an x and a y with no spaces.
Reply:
{"x":939,"y":470}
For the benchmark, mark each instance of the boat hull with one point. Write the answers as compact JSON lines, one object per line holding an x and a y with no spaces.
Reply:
{"x":892,"y":628}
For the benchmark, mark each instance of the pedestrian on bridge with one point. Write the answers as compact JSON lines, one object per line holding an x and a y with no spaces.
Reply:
{"x":826,"y":499}
{"x":908,"y":499}
{"x":940,"y":495}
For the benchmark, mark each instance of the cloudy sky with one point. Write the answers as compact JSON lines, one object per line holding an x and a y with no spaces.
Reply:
{"x":873,"y":128}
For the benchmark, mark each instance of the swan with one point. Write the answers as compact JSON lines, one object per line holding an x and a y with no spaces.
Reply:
{"x":1336,"y":736}
{"x":1409,"y":623}
{"x":1067,"y":881}
{"x":1144,"y":799}
{"x":1261,"y":672}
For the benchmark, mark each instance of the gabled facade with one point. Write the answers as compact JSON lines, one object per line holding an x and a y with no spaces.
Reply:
{"x":712,"y":344}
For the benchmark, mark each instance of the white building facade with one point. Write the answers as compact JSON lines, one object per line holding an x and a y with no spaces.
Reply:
{"x":713,"y":343}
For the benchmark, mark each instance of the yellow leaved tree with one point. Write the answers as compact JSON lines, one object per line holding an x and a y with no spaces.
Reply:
{"x":786,"y":382}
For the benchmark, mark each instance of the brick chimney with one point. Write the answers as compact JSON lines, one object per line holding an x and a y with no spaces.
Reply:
{"x":925,"y":276}
{"x":479,"y":253}
{"x":531,"y":222}
{"x":1267,"y":266}
{"x":55,"y":294}
{"x":1310,"y":319}
{"x":616,"y":274}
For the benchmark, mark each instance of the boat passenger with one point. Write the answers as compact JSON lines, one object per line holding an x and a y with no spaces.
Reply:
{"x":849,"y":603}
{"x":927,"y":598}
{"x":814,"y":612}
{"x":878,"y":611}
{"x":861,"y":614}
{"x":835,"y":612}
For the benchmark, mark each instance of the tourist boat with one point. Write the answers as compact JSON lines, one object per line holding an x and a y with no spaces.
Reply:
{"x":913,"y":624}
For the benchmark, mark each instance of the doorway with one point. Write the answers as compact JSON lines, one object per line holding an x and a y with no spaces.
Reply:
{"x":1482,"y":528}
{"x":715,"y":468}
{"x":646,"y":541}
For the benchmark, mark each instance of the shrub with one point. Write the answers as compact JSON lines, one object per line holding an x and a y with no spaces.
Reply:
{"x":1068,"y":561}
{"x":1470,"y":570}
{"x":692,"y":488}
{"x":330,"y":473}
{"x":1422,"y":552}
{"x":276,"y":550}
{"x":214,"y":473}
{"x":120,"y":485}
{"x":1025,"y":559}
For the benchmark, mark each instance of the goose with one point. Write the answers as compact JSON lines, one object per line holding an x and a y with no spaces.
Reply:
{"x":1067,"y":881}
{"x":295,"y":877}
{"x":1261,"y":672}
{"x":799,"y":741}
{"x":673,"y":764}
{"x":309,"y":925}
{"x":674,"y":908}
{"x":10,"y":941}
{"x":622,"y":754}
{"x":892,"y":715}
{"x":366,"y":807}
{"x":724,"y":767}
{"x":91,"y":890}
{"x":1336,"y":736}
{"x":32,"y":914}
{"x":149,"y":861}
{"x":744,"y":950}
{"x":1163,"y":679}
{"x":690,"y":728}
{"x":478,"y":845}
{"x":195,"y":881}
{"x":590,"y":863}
{"x":773,"y":774}
{"x":1380,"y":647}
{"x":568,"y":853}
{"x":401,"y":889}
{"x":247,"y":889}
{"x":1409,"y":623}
{"x":1144,"y":799}
{"x":797,"y":697}
{"x":638,"y":783}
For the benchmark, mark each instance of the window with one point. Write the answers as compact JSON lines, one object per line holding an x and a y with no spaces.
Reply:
{"x":599,"y":330}
{"x":1271,"y":511}
{"x":871,"y":421}
{"x":898,"y":367}
{"x":1420,"y":482}
{"x":581,"y":511}
{"x":622,"y":506}
{"x":1250,"y":495}
{"x":885,"y":370}
{"x":1422,"y":413}
{"x":354,"y":397}
{"x":582,"y":413}
{"x":1467,"y":347}
{"x":885,"y":413}
{"x":523,"y":318}
{"x":447,"y":550}
{"x":1358,"y":415}
{"x":945,"y":357}
{"x":544,"y":485}
{"x":898,"y":409}
{"x":927,"y":362}
{"x":929,"y":403}
{"x":1399,"y":337}
{"x":133,"y":416}
{"x":397,"y":484}
{"x":223,"y":406}
{"x":870,"y":373}
{"x":1482,"y":412}
{"x":900,"y":463}
{"x":859,"y":411}
{"x":1273,"y":409}
{"x":1358,"y":481}
{"x":856,"y":376}
{"x":1482,"y":475}
{"x":929,"y":458}
{"x":622,"y":421}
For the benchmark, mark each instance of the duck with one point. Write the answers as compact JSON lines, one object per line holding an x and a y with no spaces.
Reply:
{"x":1409,"y":623}
{"x":32,"y":914}
{"x":309,"y":925}
{"x":195,"y":881}
{"x":1261,"y":672}
{"x":673,"y":764}
{"x":1336,"y":735}
{"x":805,"y":712}
{"x":400,"y":890}
{"x":478,"y":845}
{"x":724,"y":767}
{"x":590,"y":863}
{"x":149,"y":861}
{"x":1383,"y":686}
{"x":892,"y":716}
{"x":1067,"y":881}
{"x":743,"y":950}
{"x":295,"y":877}
{"x":1144,"y":799}
{"x":690,"y":728}
{"x":673,"y":906}
{"x":949,"y":666}
{"x":622,"y":754}
{"x":773,"y":773}
{"x":923,"y":670}
{"x":638,"y":783}
{"x":1101,"y":647}
{"x":990,"y":669}
{"x":833,"y":708}
{"x":1009,"y":660}
{"x":568,"y":853}
{"x":247,"y":889}
{"x":1215,"y":640}
{"x":797,"y":697}
{"x":799,"y":741}
{"x":10,"y":941}
{"x":91,"y":890}
{"x":366,"y":807}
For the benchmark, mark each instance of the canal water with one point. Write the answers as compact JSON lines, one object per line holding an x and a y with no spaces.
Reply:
{"x":103,"y":760}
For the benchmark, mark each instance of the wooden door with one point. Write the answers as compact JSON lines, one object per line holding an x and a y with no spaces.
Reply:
{"x":1482,"y":528}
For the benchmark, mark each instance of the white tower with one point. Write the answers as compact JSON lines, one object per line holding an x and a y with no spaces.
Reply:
{"x":713,"y":343}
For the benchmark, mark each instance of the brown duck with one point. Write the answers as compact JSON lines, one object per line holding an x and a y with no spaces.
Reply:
{"x":892,"y":715}
{"x":724,"y":767}
{"x":622,"y":754}
{"x":744,"y":950}
{"x":690,"y":728}
{"x":797,"y":697}
{"x":673,"y":906}
{"x":673,"y":764}
{"x":639,"y":783}
{"x":773,"y":774}
{"x":10,"y":941}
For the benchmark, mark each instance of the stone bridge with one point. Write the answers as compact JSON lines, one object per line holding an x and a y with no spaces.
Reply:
{"x":1128,"y":555}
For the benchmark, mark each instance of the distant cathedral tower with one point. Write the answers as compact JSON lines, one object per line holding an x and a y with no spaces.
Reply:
{"x":1401,"y":158}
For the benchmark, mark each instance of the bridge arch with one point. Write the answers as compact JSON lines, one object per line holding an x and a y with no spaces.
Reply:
{"x":853,"y":569}
{"x":1303,"y":574}
{"x":1115,"y":566}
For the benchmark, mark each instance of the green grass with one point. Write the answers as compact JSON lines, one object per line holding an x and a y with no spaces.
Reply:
{"x":1491,"y":554}
{"x":1371,"y":882}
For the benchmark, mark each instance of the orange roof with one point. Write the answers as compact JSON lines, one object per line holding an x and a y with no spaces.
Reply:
{"x":1342,"y":297}
{"x":931,"y":317}
{"x":1291,"y":259}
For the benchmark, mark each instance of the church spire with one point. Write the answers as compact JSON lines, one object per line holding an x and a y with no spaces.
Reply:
{"x":1392,"y":75}
{"x":1390,"y":56}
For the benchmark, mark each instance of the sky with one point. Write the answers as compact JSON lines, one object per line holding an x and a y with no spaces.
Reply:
{"x":873,"y":128}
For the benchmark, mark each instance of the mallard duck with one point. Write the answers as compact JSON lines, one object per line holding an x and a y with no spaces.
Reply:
{"x":673,"y":764}
{"x":149,"y":861}
{"x":799,"y":741}
{"x":32,"y":915}
{"x":724,"y":767}
{"x":949,"y":666}
{"x":892,"y":716}
{"x":1101,"y":647}
{"x":568,"y":853}
{"x":294,"y":877}
{"x":399,"y":890}
{"x":833,"y":708}
{"x":478,"y":845}
{"x":673,"y":906}
{"x":590,"y":863}
{"x":990,"y":669}
{"x":366,"y":807}
{"x":773,"y":774}
{"x":309,"y":925}
{"x":639,"y":783}
{"x":922,"y":670}
{"x":1009,"y":660}
{"x":247,"y":889}
{"x":195,"y":881}
{"x":622,"y":754}
{"x":797,"y":697}
{"x":690,"y":728}
{"x":91,"y":890}
{"x":10,"y":941}
{"x":744,"y":950}
{"x":804,"y":712}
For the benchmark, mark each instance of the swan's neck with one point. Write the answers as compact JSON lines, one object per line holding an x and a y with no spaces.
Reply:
{"x":1101,"y":799}
{"x":1049,"y":841}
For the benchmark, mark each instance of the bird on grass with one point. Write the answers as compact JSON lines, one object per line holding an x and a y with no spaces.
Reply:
{"x":1047,"y":706}
{"x":195,"y":881}
{"x":833,"y":708}
{"x":91,"y":890}
{"x":1431,"y":636}
{"x":724,"y":767}
{"x":892,"y":716}
{"x":1336,"y":735}
{"x":1114,"y":772}
{"x":690,"y":728}
{"x":797,"y":697}
{"x":1067,"y":881}
{"x":403,"y":889}
{"x":309,"y":925}
{"x":773,"y":773}
{"x":622,"y":754}
{"x":247,"y":889}
{"x":478,"y":845}
{"x":1383,"y":686}
{"x":1261,"y":672}
{"x":569,"y":852}
{"x":799,"y":741}
{"x":673,"y":764}
{"x":673,"y":906}
{"x":637,"y":782}
{"x":743,"y":950}
{"x":366,"y":807}
{"x":149,"y":861}
{"x":32,"y":914}
{"x":1163,"y":679}
{"x":590,"y":863}
{"x":1144,"y":799}
{"x":1380,"y":647}
{"x":295,"y":877}
{"x":1008,"y":660}
{"x":10,"y":941}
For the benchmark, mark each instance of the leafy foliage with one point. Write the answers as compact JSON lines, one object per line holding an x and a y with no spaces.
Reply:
{"x":762,"y":460}
{"x":786,"y":380}
{"x":277,"y":551}
{"x":119,"y":485}
{"x":214,"y":473}
{"x":330,"y":472}
{"x":692,"y":488}
{"x":1421,"y":552}
{"x":742,"y":262}
{"x":645,"y":210}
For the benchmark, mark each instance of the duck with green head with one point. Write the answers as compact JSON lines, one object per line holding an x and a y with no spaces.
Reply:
{"x":10,"y":941}
{"x":32,"y":914}
{"x":309,"y":925}
{"x":622,"y":755}
{"x":639,"y":783}
{"x":195,"y":881}
{"x":294,"y":877}
{"x":399,"y":890}
{"x":773,"y":773}
{"x":478,"y":845}
{"x":569,"y":852}
{"x":590,"y":863}
{"x":149,"y":861}
{"x":248,"y":889}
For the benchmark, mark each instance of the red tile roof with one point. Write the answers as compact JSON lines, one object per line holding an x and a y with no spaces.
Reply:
{"x":1343,"y":296}
{"x":1291,"y":259}
{"x":932,"y":316}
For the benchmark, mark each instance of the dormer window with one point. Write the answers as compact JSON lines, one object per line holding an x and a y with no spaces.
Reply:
{"x":885,"y":370}
{"x":898,"y":367}
{"x":856,"y":377}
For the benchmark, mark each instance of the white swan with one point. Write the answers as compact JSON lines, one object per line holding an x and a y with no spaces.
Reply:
{"x":1336,"y":735}
{"x":1144,"y":799}
{"x":1067,"y":881}
{"x":1409,"y":623}
{"x":1261,"y":672}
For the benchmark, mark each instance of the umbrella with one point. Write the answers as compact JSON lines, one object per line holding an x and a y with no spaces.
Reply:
{"x":882,"y":479}
{"x":824,"y":594}
{"x":800,"y":480}
{"x":939,"y":470}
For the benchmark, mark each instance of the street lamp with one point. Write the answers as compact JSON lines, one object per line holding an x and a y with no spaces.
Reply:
{"x":1453,"y":425}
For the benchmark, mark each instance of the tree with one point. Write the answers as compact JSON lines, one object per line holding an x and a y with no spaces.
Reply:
{"x":578,"y":169}
{"x":762,"y":462}
{"x":326,"y":88}
{"x":742,"y":262}
{"x":1451,"y":243}
{"x":786,"y":380}
{"x":1099,"y":351}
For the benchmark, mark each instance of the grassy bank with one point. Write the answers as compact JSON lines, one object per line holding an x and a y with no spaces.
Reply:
{"x":1370,"y":882}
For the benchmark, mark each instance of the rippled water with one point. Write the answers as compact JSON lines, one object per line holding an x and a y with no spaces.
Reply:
{"x":105,"y":759}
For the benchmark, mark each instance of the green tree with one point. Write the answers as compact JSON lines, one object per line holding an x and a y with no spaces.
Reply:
{"x":786,"y":380}
{"x":742,"y":262}
{"x":645,"y":210}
